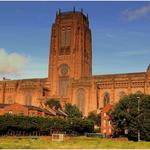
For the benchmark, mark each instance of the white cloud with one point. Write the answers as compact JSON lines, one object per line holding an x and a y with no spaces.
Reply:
{"x":137,"y":13}
{"x":11,"y":63}
{"x":108,"y":35}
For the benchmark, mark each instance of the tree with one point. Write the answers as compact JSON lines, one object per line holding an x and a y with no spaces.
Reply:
{"x":79,"y":126}
{"x":53,"y":103}
{"x":43,"y":125}
{"x":126,"y":117}
{"x":96,"y":118}
{"x":72,"y":111}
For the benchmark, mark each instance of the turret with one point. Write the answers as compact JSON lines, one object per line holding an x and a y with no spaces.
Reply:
{"x":148,"y":70}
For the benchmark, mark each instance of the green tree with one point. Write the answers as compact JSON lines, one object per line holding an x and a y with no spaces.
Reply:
{"x":127,"y":117}
{"x":79,"y":126}
{"x":72,"y":111}
{"x":53,"y":103}
{"x":96,"y":118}
{"x":44,"y":125}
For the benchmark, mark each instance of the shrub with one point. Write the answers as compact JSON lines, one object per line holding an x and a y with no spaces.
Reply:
{"x":45,"y":125}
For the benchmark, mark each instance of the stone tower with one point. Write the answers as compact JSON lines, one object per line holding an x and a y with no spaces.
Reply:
{"x":70,"y":52}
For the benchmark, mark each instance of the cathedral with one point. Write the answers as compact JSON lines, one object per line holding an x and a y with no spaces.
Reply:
{"x":70,"y":78}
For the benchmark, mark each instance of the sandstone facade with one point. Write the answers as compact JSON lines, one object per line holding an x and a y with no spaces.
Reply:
{"x":70,"y":76}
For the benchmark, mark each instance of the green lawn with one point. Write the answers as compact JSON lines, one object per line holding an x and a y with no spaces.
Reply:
{"x":73,"y":142}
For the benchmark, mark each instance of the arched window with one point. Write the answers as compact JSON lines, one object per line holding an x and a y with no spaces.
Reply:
{"x":106,"y":98}
{"x":63,"y":79}
{"x":10,"y":100}
{"x":80,"y":96}
{"x":63,"y":86}
{"x":121,"y":94}
{"x":65,"y":41}
{"x":28,"y":100}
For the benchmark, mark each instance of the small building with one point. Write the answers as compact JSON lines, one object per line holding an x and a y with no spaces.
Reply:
{"x":18,"y":109}
{"x":106,"y":127}
{"x":58,"y":112}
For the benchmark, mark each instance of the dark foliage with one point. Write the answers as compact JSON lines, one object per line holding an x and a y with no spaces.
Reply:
{"x":126,"y":117}
{"x":53,"y":103}
{"x":72,"y":111}
{"x":96,"y":118}
{"x":43,"y":126}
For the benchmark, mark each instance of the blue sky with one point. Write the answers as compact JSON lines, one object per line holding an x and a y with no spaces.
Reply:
{"x":120,"y":36}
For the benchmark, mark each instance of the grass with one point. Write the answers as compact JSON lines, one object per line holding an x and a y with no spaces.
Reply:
{"x":69,"y":142}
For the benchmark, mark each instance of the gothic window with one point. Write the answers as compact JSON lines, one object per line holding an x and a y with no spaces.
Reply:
{"x":68,"y":37}
{"x":81,"y":99}
{"x":106,"y":98}
{"x":63,"y":79}
{"x":10,"y":100}
{"x":121,"y":94}
{"x":86,"y":47}
{"x":28,"y":100}
{"x":65,"y":41}
{"x":43,"y":93}
{"x":63,"y":38}
{"x":63,"y":86}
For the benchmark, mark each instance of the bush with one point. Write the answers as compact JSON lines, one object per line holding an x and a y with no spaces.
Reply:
{"x":95,"y":117}
{"x":44,"y":125}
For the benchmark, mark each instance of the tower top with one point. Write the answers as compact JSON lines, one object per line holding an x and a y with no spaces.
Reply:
{"x":71,"y":14}
{"x":74,"y":11}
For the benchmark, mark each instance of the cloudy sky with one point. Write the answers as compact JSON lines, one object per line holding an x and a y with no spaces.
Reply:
{"x":120,"y":36}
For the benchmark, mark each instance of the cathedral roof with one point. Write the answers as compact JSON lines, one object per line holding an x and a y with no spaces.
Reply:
{"x":121,"y":75}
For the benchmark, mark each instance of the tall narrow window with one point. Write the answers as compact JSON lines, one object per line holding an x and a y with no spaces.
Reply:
{"x":81,"y":99}
{"x":63,"y":38}
{"x":106,"y":98}
{"x":63,"y":86}
{"x":68,"y":37}
{"x":63,"y":79}
{"x":65,"y":41}
{"x":28,"y":100}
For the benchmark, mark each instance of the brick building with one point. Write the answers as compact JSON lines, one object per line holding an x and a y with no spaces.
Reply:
{"x":18,"y":109}
{"x":106,"y":125}
{"x":28,"y":110}
{"x":70,"y":78}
